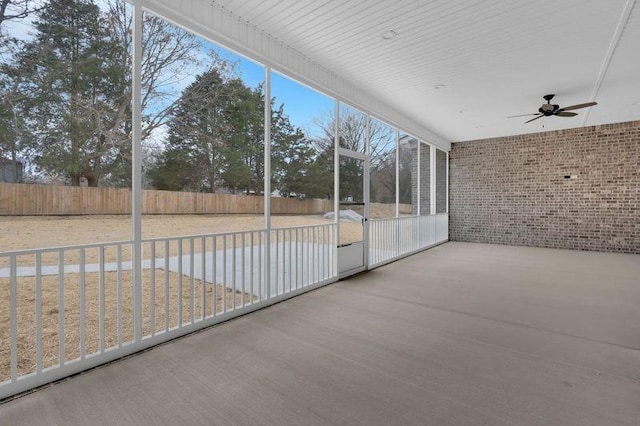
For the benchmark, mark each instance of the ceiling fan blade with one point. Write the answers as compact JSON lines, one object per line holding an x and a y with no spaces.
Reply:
{"x":540,"y":116}
{"x":522,"y":115}
{"x":566,"y":114}
{"x":588,"y":104}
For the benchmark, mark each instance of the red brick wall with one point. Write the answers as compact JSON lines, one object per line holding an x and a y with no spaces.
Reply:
{"x":513,"y":190}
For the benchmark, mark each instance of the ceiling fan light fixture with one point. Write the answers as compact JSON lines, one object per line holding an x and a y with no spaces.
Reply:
{"x":389,"y":34}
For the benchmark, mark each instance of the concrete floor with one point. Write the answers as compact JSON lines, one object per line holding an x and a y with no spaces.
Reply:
{"x":460,"y":334}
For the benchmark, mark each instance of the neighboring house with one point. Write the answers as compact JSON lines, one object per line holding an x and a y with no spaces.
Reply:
{"x":11,"y":171}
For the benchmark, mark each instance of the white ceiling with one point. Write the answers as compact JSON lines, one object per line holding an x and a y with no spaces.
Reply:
{"x":495,"y":57}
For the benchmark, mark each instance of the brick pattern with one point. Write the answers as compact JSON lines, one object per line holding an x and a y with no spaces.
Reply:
{"x":572,"y":189}
{"x":441,"y":181}
{"x":425,"y":180}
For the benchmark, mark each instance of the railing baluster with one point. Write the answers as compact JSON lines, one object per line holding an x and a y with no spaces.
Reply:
{"x":391,"y":239}
{"x":318,"y":259}
{"x":384,"y":255}
{"x":224,"y":273}
{"x":132,"y":293}
{"x":39,"y":312}
{"x":260,"y":255}
{"x":166,"y":286}
{"x":276,"y":271}
{"x":327,"y":251}
{"x":324,"y":247}
{"x":313,"y":254}
{"x":321,"y":266}
{"x":297,"y":257}
{"x":378,"y":241}
{"x":152,"y":290}
{"x":404,"y":239}
{"x":233,"y":270}
{"x":302,"y":262}
{"x":383,"y":240}
{"x":61,"y":307}
{"x":284,"y":261}
{"x":13,"y":312}
{"x":290,"y":259}
{"x":101,"y":316}
{"x":403,"y":236}
{"x":373,"y":251}
{"x":192,"y":282}
{"x":332,"y":248}
{"x":242,"y":276}
{"x":83,"y":296}
{"x":310,"y":255}
{"x":179,"y":320}
{"x":214,"y":279}
{"x":119,"y":291}
{"x":203,"y":280}
{"x":252,"y":268}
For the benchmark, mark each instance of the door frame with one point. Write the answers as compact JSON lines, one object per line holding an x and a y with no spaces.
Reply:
{"x":342,"y":152}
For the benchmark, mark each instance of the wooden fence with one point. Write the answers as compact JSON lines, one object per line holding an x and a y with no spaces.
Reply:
{"x":49,"y":200}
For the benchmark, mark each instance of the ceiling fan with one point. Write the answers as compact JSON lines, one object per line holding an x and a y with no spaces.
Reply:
{"x":547,"y":110}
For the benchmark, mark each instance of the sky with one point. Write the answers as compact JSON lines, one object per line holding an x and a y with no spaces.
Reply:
{"x":301,"y":103}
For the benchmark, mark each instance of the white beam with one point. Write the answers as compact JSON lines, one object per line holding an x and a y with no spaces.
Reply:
{"x":267,"y":176}
{"x":136,"y":172}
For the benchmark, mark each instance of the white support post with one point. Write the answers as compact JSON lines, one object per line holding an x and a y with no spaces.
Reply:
{"x":447,"y":188}
{"x":432,"y":183}
{"x":366,"y":186}
{"x":336,"y":181}
{"x":418,"y":184}
{"x":397,"y":172}
{"x":136,"y":178}
{"x":267,"y":178}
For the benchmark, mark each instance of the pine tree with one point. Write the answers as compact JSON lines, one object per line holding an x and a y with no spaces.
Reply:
{"x":70,"y":90}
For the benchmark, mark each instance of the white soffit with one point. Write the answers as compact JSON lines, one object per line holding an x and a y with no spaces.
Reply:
{"x":495,"y":58}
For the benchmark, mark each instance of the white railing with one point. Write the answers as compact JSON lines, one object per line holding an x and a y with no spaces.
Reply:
{"x":393,"y":238}
{"x":66,"y":309}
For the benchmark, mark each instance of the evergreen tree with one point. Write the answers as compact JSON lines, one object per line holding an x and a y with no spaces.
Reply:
{"x":199,"y":132}
{"x":216,"y":140}
{"x":70,"y":90}
{"x":244,"y":151}
{"x":291,"y":155}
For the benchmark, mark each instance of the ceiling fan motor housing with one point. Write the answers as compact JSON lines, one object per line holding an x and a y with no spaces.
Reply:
{"x":548,"y":109}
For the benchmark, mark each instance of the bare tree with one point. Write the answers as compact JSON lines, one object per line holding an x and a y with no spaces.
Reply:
{"x":77,"y":97}
{"x":17,"y":9}
{"x":168,"y":52}
{"x":382,"y":152}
